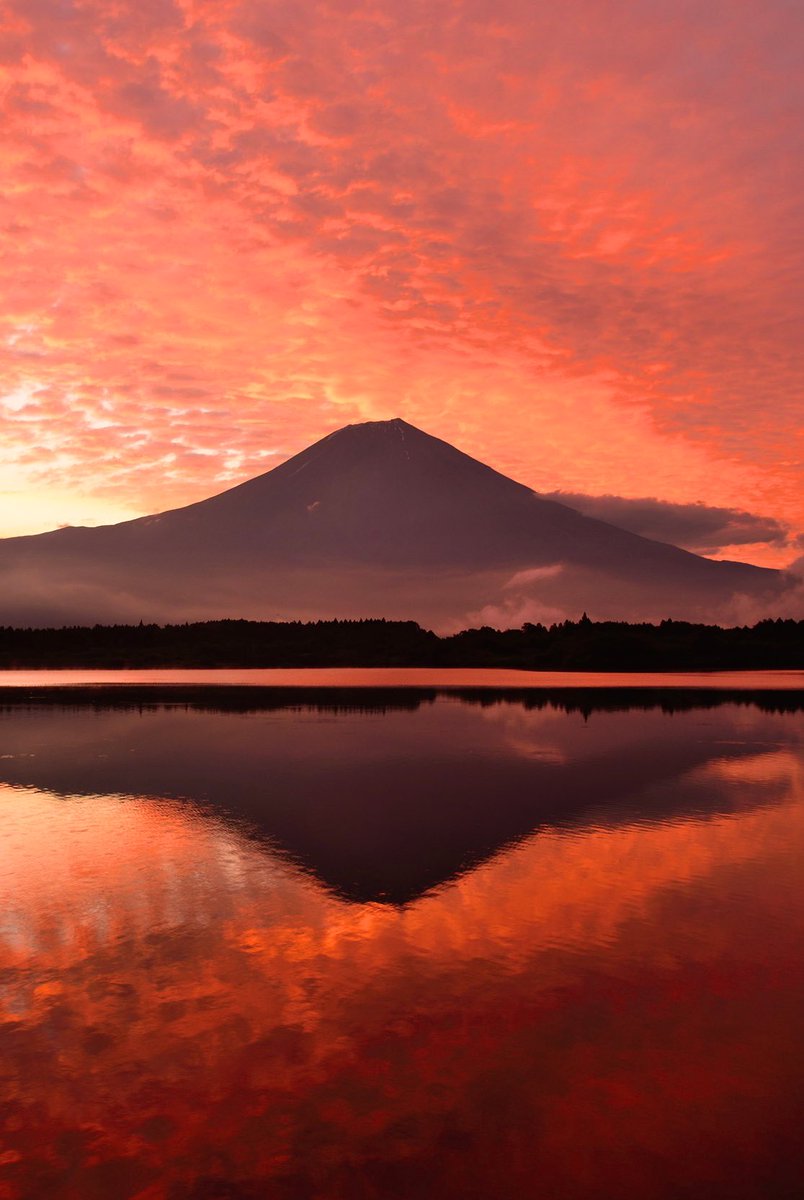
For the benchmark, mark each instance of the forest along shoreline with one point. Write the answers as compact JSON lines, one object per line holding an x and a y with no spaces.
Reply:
{"x":582,"y":645}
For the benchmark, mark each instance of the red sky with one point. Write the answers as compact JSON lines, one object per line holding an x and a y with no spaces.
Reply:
{"x":565,"y":237}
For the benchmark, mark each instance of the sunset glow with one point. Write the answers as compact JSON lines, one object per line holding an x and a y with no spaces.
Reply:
{"x":565,"y":239}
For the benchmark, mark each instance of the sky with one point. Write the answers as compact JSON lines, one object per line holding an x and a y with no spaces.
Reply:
{"x":566,"y":238}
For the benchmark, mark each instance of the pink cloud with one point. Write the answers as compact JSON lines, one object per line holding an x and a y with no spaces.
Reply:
{"x":567,"y":240}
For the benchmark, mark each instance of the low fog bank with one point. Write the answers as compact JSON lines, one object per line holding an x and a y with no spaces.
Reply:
{"x":565,"y":591}
{"x":67,"y":593}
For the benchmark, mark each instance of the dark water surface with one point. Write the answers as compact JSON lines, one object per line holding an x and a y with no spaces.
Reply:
{"x":381,"y":944}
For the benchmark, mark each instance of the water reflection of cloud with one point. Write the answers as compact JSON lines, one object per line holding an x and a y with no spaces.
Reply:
{"x":530,"y":733}
{"x":771,"y":766}
{"x":198,"y":983}
{"x":125,"y":867}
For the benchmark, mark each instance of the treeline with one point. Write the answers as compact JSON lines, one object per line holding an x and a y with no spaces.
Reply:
{"x":570,"y":646}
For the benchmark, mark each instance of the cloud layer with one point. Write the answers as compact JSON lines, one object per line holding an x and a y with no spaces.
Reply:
{"x":697,"y":527}
{"x":567,"y":240}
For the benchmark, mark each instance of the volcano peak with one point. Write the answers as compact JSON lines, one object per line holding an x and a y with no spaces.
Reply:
{"x":376,"y":518}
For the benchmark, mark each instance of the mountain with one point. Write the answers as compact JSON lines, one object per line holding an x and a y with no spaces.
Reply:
{"x":434,"y":766}
{"x":377,"y":519}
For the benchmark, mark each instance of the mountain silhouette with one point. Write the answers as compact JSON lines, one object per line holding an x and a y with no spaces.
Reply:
{"x":383,"y":809}
{"x":376,"y":519}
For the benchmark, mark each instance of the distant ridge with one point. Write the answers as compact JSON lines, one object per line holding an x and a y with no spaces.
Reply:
{"x":377,"y":518}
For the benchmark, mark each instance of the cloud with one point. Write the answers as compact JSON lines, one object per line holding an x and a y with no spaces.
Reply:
{"x":699,"y":527}
{"x":534,"y":575}
{"x":569,"y":242}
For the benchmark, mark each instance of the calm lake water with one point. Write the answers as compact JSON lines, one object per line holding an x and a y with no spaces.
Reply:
{"x":398,"y":943}
{"x":404,"y":677}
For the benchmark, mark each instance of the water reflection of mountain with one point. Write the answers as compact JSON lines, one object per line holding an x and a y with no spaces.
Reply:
{"x":220,"y":1017}
{"x":385,"y":795}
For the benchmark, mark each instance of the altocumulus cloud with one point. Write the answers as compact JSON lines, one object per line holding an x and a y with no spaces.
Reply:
{"x":565,"y":238}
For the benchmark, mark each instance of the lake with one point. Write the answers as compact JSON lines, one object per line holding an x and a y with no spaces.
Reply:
{"x":421,"y":938}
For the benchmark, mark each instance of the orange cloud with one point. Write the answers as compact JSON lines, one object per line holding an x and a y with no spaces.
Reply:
{"x":569,"y":244}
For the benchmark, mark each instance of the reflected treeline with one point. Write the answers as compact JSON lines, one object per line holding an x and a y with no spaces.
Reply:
{"x":378,"y":700}
{"x":624,"y":699}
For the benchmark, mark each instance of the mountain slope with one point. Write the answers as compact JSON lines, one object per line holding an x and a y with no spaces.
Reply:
{"x":374,"y":515}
